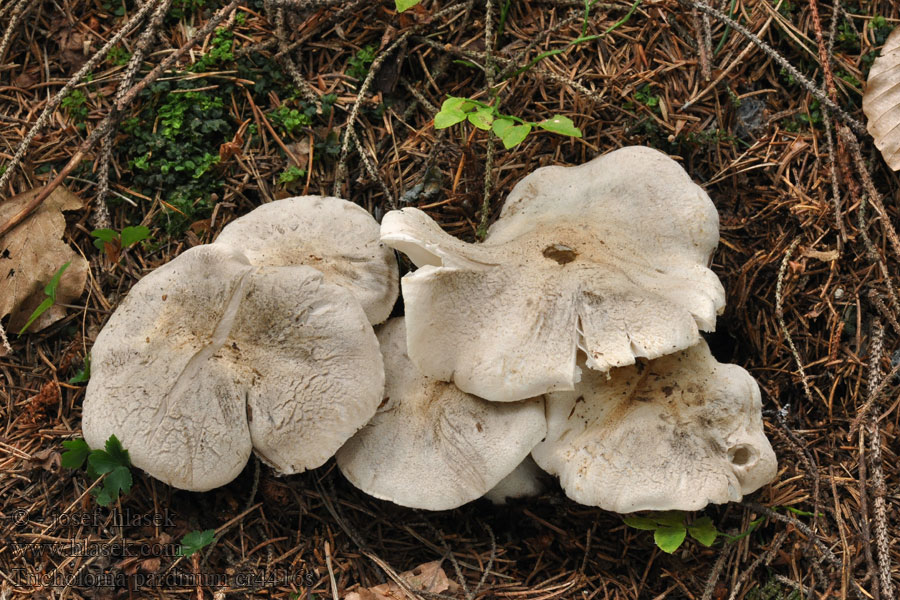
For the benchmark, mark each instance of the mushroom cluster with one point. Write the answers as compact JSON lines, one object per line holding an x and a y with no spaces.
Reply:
{"x":588,"y":295}
{"x":568,"y":341}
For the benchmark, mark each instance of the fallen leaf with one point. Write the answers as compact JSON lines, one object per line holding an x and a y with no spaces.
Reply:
{"x":72,"y":47}
{"x":48,"y":459}
{"x":428,"y":577}
{"x":27,"y":78}
{"x":29,"y":256}
{"x":881,"y":102}
{"x":300,"y":150}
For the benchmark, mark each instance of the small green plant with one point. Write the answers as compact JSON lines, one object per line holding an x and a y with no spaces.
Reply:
{"x":172,"y":147}
{"x":84,"y":374}
{"x":358,"y":66}
{"x":113,"y":462}
{"x":118,"y":56}
{"x":196,"y":541}
{"x":292,"y":175}
{"x":220,"y":51}
{"x":847,"y":37}
{"x":75,"y":104}
{"x":804,"y":121}
{"x":50,"y":300}
{"x":510,"y":129}
{"x":291,"y":121}
{"x":773,"y":590}
{"x":126,"y":239}
{"x":646,"y":97}
{"x":670,"y":530}
{"x":185,"y":8}
{"x":403,"y":5}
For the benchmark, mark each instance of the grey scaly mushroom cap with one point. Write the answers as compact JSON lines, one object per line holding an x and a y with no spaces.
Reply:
{"x":209,"y":357}
{"x":432,"y":446}
{"x":334,"y":236}
{"x":609,"y":257}
{"x":676,"y":433}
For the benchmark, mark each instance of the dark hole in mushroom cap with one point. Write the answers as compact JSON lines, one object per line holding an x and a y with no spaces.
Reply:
{"x":560,"y":253}
{"x":741,"y":455}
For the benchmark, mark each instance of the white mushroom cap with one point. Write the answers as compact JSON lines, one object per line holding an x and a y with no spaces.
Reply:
{"x":526,"y":481}
{"x":432,"y":446}
{"x":674,"y":434}
{"x":332,"y":235}
{"x":199,"y":338}
{"x":609,"y":257}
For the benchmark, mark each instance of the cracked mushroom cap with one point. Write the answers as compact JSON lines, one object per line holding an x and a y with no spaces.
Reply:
{"x":432,"y":446}
{"x":675,"y":433}
{"x":335,"y":236}
{"x":609,"y":257}
{"x":209,"y":357}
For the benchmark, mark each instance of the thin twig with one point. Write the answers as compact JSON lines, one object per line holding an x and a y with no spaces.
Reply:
{"x":847,"y":136}
{"x":779,"y":313}
{"x":170,"y":60}
{"x":703,"y":51}
{"x":764,"y":558}
{"x":19,"y":10}
{"x":287,"y":60}
{"x":810,"y":534}
{"x":334,"y":589}
{"x":101,"y":215}
{"x":490,"y":72}
{"x":716,"y":571}
{"x":865,"y":528}
{"x":874,"y":195}
{"x":341,"y":173}
{"x":490,"y":565}
{"x":882,"y":541}
{"x":809,"y":462}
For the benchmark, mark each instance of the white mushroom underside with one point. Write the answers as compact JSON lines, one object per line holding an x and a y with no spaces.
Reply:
{"x":201,"y":337}
{"x":609,"y":257}
{"x":432,"y":446}
{"x":332,"y":235}
{"x":675,"y":434}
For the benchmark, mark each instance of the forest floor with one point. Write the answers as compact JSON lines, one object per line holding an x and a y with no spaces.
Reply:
{"x":287,"y":97}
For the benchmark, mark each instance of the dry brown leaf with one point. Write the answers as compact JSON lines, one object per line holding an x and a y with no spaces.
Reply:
{"x":428,"y":577}
{"x":31,"y":253}
{"x":881,"y":102}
